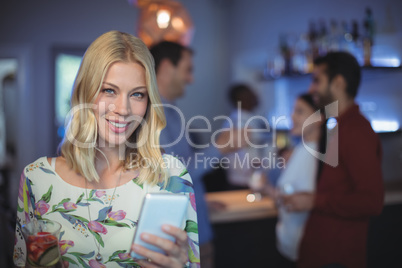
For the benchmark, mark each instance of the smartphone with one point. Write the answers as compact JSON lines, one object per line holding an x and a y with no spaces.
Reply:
{"x":159,"y":209}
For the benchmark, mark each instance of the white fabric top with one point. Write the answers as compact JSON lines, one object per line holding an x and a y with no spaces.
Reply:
{"x":300,"y":175}
{"x":45,"y":195}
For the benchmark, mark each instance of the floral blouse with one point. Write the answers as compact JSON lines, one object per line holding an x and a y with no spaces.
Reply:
{"x":44,"y":195}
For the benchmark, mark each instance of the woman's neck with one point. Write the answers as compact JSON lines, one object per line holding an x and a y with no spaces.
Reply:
{"x":108,"y":161}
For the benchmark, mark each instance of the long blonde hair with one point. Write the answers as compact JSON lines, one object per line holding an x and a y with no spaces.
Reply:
{"x":79,"y":145}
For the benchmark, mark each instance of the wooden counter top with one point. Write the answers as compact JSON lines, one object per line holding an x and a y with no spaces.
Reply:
{"x":238,"y":208}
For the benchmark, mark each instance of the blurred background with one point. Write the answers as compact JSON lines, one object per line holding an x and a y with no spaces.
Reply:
{"x":265,"y":43}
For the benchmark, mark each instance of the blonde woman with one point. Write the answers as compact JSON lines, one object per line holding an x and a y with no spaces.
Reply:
{"x":110,"y":158}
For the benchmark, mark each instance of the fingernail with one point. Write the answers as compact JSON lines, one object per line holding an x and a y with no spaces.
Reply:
{"x":166,"y":227}
{"x":145,"y":236}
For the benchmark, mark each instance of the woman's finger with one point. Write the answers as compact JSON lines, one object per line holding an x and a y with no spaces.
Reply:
{"x":179,"y":234}
{"x":157,"y":259}
{"x":147,"y":263}
{"x":169,"y":247}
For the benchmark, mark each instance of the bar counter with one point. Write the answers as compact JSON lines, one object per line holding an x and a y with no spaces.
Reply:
{"x":244,"y":231}
{"x":238,"y":208}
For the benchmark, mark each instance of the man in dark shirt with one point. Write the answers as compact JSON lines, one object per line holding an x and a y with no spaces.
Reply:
{"x":349,"y":186}
{"x":174,"y":71}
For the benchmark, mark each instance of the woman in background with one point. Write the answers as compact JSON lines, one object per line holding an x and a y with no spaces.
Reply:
{"x":298,"y":176}
{"x":110,"y":159}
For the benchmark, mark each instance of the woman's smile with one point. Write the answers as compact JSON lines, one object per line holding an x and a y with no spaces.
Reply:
{"x":121,"y":103}
{"x":118,"y":126}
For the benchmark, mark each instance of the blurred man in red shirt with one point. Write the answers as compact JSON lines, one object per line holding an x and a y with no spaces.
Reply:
{"x":349,"y":186}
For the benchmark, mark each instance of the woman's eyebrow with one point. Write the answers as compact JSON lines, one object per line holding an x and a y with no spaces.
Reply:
{"x":140,"y":87}
{"x":110,"y":84}
{"x":136,"y":88}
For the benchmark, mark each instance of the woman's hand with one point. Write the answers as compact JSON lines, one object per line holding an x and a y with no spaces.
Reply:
{"x":298,"y":202}
{"x":176,"y":253}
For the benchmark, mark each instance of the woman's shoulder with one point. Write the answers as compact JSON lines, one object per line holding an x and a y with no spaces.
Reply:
{"x":38,"y":165}
{"x":178,"y":179}
{"x":44,"y":166}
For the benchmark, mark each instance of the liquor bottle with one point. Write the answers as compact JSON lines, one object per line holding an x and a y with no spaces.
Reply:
{"x":312,"y":37}
{"x":346,"y":38}
{"x":322,"y":38}
{"x":333,"y":38}
{"x":368,"y":24}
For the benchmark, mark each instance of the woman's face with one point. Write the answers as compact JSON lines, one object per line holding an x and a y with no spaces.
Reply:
{"x":121,"y":103}
{"x":301,"y":112}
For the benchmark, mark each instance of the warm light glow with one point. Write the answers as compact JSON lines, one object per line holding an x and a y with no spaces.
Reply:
{"x":163,"y":18}
{"x":384,"y":125}
{"x":153,"y":7}
{"x":178,"y":23}
{"x":251,"y":198}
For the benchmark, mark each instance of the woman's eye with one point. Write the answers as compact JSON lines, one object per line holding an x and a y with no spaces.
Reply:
{"x":108,"y":90}
{"x":138,"y":95}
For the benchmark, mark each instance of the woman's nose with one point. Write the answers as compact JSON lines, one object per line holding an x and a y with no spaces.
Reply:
{"x":122,"y":106}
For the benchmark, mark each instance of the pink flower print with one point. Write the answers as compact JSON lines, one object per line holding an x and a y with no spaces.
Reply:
{"x":116,"y":215}
{"x":95,"y":264}
{"x":100,"y":193}
{"x":21,"y":188}
{"x":192,"y":201}
{"x":42,"y":207}
{"x":69,"y":205}
{"x":124,"y":256}
{"x":97,"y":227}
{"x":65,"y":245}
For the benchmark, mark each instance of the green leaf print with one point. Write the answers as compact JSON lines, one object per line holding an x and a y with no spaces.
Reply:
{"x":64,"y":258}
{"x":80,"y":218}
{"x":88,"y":256}
{"x":19,"y":209}
{"x":135,"y":180}
{"x":191,"y":227}
{"x":191,"y":256}
{"x":98,"y":237}
{"x":65,"y":200}
{"x":83,"y":263}
{"x":128,"y":262}
{"x":91,"y":193}
{"x":116,"y":253}
{"x":115,"y":223}
{"x":46,"y":197}
{"x":83,"y":255}
{"x":80,"y":198}
{"x":63,"y":210}
{"x":184,"y":172}
{"x":95,"y":199}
